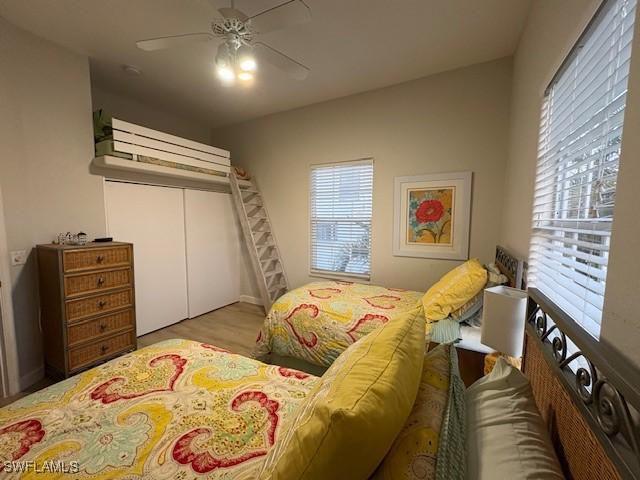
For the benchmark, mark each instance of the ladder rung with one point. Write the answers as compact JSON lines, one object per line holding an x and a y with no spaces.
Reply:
{"x":272,"y":273}
{"x":279,"y":283}
{"x":271,"y":256}
{"x":265,"y":245}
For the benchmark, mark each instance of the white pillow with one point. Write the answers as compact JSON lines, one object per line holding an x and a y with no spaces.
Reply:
{"x":506,"y":436}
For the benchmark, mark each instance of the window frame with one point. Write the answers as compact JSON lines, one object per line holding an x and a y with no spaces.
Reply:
{"x":328,"y":274}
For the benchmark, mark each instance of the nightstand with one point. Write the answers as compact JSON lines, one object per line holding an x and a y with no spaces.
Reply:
{"x":471,"y":359}
{"x":491,"y":359}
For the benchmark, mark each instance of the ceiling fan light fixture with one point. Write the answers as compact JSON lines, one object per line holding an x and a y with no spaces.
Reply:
{"x":237,"y":32}
{"x":226,"y":74}
{"x":246,"y":60}
{"x":248,"y":65}
{"x":223,"y":57}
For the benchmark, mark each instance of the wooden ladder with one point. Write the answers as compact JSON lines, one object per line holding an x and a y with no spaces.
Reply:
{"x":260,"y":241}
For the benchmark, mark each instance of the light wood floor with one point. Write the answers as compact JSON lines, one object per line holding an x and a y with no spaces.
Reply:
{"x":234,"y":328}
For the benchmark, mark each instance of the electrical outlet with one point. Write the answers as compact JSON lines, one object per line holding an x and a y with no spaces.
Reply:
{"x":18,"y":257}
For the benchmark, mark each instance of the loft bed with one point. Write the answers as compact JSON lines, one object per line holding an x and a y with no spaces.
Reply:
{"x":127,"y":151}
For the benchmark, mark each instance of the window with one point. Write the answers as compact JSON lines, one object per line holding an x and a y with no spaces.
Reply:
{"x":341,"y":197}
{"x":578,"y":153}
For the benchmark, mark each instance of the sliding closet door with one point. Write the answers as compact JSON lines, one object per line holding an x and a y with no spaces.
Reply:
{"x":213,"y":251}
{"x":152,"y":218}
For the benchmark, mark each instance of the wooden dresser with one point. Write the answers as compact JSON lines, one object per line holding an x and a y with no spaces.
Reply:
{"x":87,"y":304}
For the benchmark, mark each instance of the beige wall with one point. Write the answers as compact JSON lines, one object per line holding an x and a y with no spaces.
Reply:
{"x":448,"y":122}
{"x":551,"y":30}
{"x":138,"y":112}
{"x":46,"y":144}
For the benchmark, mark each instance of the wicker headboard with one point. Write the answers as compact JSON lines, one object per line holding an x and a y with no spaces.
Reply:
{"x":510,"y":266}
{"x":587,"y":393}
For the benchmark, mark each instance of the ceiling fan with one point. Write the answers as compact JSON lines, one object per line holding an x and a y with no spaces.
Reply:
{"x":239,"y":53}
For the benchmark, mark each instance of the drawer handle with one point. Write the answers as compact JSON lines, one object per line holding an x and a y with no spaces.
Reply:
{"x":100,"y":281}
{"x":103,"y":327}
{"x":102,"y":304}
{"x":100,"y":258}
{"x":104,"y":348}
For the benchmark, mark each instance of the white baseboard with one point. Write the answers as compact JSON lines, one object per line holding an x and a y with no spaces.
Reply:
{"x":32,"y":377}
{"x":250,"y":299}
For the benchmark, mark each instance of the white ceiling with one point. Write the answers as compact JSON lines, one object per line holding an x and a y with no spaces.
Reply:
{"x":351,"y":46}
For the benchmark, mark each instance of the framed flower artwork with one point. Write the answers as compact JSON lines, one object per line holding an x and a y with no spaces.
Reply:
{"x":432,"y":216}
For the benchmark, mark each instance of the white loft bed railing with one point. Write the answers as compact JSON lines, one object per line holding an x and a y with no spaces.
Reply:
{"x":141,"y":150}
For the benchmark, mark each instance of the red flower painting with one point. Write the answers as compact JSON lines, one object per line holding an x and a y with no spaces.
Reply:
{"x":430,"y":211}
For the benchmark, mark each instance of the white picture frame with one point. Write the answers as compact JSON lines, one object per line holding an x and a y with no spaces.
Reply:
{"x":432,"y":215}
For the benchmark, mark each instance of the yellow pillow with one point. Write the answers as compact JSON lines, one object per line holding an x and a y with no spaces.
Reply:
{"x":348,"y":422}
{"x":414,"y":451}
{"x":454,"y":290}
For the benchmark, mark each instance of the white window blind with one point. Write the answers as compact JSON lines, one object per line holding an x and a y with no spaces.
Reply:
{"x":341,"y":198}
{"x":579,"y":149}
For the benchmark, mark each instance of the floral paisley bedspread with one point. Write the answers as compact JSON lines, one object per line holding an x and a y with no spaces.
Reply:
{"x":175,"y":410}
{"x":318,"y":321}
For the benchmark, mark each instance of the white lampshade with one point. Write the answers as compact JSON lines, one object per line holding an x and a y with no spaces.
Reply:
{"x":503,"y":318}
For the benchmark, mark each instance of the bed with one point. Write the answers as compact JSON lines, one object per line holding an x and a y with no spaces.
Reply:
{"x":308,"y":327}
{"x":186,"y":410}
{"x":315,"y":323}
{"x":587,"y":392}
{"x":176,"y":409}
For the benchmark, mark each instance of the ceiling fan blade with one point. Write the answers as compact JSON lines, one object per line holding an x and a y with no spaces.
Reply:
{"x":288,"y":13}
{"x":217,"y":5}
{"x":162,"y":43}
{"x":278,"y":59}
{"x":233,"y":13}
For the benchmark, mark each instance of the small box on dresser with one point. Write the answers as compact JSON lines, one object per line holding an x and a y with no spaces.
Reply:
{"x":87,"y":304}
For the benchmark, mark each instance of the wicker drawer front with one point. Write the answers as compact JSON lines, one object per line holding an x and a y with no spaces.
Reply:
{"x":90,"y":259}
{"x":94,"y":282}
{"x":88,"y":307}
{"x":82,"y":332}
{"x":82,"y":356}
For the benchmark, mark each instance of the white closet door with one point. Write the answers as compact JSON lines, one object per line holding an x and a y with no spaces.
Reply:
{"x":213,"y":251}
{"x":152,"y":218}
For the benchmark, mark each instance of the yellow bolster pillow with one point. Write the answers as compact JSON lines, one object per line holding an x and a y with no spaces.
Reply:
{"x":349,"y":420}
{"x":454,"y":289}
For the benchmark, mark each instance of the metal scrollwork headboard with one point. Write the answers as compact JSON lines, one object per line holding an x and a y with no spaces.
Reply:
{"x":511,"y":266}
{"x":603,"y":386}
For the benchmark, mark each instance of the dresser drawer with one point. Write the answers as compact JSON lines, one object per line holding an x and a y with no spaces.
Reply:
{"x":82,"y":356}
{"x":89,"y":307}
{"x":91,"y":329}
{"x":90,"y":259}
{"x":88,"y":283}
